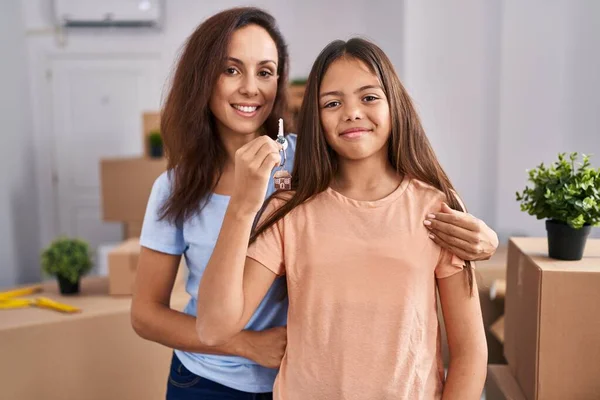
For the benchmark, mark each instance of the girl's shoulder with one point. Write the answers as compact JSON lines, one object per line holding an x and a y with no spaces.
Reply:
{"x":278,"y":200}
{"x":424,"y":192}
{"x":429,"y":194}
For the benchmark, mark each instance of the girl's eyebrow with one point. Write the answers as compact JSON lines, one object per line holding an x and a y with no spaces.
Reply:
{"x":360,"y":89}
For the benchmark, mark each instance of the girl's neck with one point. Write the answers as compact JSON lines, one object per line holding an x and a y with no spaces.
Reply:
{"x":366,"y":180}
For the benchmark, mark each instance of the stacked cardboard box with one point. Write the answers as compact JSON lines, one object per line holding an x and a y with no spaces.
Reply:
{"x":150,"y":123}
{"x":552,"y":328}
{"x":122,"y":266}
{"x":126,"y":186}
{"x":126,"y":182}
{"x":94,"y":354}
{"x":501,"y":385}
{"x":486,"y":272}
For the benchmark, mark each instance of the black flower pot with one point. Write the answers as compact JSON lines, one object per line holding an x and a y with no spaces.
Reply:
{"x":566,"y":242}
{"x":67,"y":287}
{"x":156,"y":151}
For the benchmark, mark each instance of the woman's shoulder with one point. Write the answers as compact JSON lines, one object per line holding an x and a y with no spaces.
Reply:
{"x":292,"y":139}
{"x":164,"y":182}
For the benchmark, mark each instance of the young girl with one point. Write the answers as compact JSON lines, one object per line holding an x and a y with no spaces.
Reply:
{"x":361,"y":269}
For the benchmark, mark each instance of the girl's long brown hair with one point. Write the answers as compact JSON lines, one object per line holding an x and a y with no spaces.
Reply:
{"x":409,"y":150}
{"x":195,"y":153}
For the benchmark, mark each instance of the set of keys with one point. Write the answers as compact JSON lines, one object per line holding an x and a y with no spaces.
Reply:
{"x":282,"y":178}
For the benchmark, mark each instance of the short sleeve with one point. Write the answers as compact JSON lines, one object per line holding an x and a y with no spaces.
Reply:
{"x":448,"y":264}
{"x":268,"y":247}
{"x":161,"y":235}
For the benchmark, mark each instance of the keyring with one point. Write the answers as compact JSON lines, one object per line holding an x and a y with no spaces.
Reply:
{"x":282,"y":164}
{"x":282,"y":179}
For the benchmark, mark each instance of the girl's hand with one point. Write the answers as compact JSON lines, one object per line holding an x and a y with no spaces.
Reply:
{"x":253,"y":165}
{"x":463,"y":234}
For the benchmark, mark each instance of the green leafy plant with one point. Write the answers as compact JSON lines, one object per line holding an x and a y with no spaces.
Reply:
{"x":155,"y":139}
{"x":567,"y":191}
{"x":298,"y":81}
{"x":68,"y":258}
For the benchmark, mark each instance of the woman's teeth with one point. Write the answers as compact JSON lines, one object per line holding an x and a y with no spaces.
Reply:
{"x":246,"y":109}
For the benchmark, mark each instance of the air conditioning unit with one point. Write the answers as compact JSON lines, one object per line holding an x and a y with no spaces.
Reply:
{"x":109,"y":13}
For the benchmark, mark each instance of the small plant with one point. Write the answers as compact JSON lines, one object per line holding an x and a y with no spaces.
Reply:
{"x":298,"y":82}
{"x":567,"y":191}
{"x":155,"y":139}
{"x":67,"y":258}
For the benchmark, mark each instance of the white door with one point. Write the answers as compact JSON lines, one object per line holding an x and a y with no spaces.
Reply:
{"x":97,"y":106}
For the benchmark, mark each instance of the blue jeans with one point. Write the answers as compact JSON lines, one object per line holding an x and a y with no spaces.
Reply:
{"x":185,"y":385}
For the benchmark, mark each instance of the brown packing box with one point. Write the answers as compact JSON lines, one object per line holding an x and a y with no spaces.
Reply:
{"x":486,"y":272}
{"x":497,"y":329}
{"x":501,"y":385}
{"x":126,"y":184}
{"x":122,"y":265}
{"x":132,"y":229}
{"x":552,"y":323}
{"x":150,"y":122}
{"x":92,"y":355}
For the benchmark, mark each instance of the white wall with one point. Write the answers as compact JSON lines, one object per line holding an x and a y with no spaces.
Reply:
{"x":583,"y":61}
{"x":548,"y":102}
{"x":451,"y":70}
{"x":500,"y":86}
{"x":19,"y":228}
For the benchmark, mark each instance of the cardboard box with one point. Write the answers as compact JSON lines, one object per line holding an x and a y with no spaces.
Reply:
{"x":486,"y":272}
{"x":501,"y":385}
{"x":132,"y":229}
{"x":552,"y":323}
{"x":150,"y":122}
{"x":122,"y":265}
{"x":497,"y":329}
{"x":126,"y":184}
{"x":92,"y":355}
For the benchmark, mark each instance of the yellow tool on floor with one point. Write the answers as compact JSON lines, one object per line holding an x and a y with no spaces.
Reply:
{"x":8,"y":300}
{"x":20,"y":292}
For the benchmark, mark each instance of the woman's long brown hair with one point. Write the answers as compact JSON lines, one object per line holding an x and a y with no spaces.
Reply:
{"x":409,"y":150}
{"x":195,"y":153}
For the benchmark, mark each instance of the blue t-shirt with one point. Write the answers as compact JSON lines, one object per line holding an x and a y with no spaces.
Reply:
{"x":196,"y":241}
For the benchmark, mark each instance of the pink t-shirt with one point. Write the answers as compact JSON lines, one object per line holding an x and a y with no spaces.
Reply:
{"x":362,"y":321}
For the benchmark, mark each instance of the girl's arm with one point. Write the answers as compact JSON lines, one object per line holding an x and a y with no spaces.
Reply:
{"x":466,"y":338}
{"x":232,"y":285}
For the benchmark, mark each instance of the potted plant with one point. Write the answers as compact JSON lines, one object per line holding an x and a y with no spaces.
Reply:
{"x":156,"y":144}
{"x":567,"y":194}
{"x":68,"y":260}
